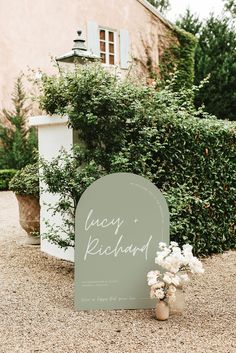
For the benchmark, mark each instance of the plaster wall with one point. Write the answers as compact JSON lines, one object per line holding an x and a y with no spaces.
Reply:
{"x":32,"y":32}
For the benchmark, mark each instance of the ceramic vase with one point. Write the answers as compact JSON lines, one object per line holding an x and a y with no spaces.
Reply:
{"x":162,"y":311}
{"x":178,"y":306}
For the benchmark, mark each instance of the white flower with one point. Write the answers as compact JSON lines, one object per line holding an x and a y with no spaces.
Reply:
{"x":153,"y":273}
{"x":174,"y":244}
{"x":162,"y":245}
{"x":152,"y":277}
{"x":173,"y":262}
{"x":157,"y":292}
{"x":160,"y":284}
{"x":170,"y":278}
{"x":177,"y":251}
{"x":160,"y":294}
{"x":152,"y":281}
{"x":196,"y":266}
{"x":179,"y":264}
{"x":175,"y":280}
{"x":184,"y":278}
{"x":161,"y":257}
{"x":171,"y":289}
{"x":171,"y":298}
{"x":171,"y":293}
{"x":187,"y":248}
{"x":167,"y":278}
{"x":153,"y":292}
{"x":187,"y":253}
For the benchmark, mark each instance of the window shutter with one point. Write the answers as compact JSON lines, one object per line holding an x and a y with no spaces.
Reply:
{"x":124,"y":49}
{"x":93,"y":38}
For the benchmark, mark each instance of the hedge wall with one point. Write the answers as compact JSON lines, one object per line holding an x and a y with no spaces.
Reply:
{"x":5,"y":177}
{"x":156,"y":134}
{"x":193,"y":161}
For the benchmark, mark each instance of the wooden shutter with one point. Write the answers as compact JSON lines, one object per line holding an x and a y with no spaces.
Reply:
{"x":124,"y":49}
{"x":93,"y":38}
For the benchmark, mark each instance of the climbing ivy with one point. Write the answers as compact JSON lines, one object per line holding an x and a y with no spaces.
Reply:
{"x":178,"y":59}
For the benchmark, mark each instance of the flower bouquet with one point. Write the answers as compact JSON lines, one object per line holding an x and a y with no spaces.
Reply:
{"x":179,"y":264}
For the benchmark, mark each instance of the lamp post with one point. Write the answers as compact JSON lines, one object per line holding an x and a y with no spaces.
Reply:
{"x":79,"y":53}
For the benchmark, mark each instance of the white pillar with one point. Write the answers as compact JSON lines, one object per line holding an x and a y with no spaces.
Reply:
{"x":53,"y":134}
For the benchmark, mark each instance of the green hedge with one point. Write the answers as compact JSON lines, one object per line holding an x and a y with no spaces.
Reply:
{"x":200,"y":182}
{"x":5,"y":177}
{"x":193,"y":161}
{"x":156,"y":134}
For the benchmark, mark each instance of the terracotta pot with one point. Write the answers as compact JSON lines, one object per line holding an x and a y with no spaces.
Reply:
{"x":178,"y":306}
{"x":29,"y":216}
{"x":162,"y":310}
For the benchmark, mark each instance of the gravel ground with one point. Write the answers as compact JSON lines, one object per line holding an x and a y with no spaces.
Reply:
{"x":37,"y":314}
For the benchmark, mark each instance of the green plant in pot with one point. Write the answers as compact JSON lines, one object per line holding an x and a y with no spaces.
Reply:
{"x":25,"y":185}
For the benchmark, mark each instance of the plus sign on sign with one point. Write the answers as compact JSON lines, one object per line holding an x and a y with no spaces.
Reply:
{"x":120,"y":220}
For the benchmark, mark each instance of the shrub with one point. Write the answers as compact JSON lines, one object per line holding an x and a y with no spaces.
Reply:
{"x":5,"y":177}
{"x":17,"y":141}
{"x":26,"y":181}
{"x":130,"y":128}
{"x":69,"y":174}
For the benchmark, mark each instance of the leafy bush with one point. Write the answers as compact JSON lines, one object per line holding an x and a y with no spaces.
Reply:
{"x":193,"y":161}
{"x":26,"y":181}
{"x":17,"y":140}
{"x":70,"y":174}
{"x":5,"y":177}
{"x":130,"y":128}
{"x":215,"y":58}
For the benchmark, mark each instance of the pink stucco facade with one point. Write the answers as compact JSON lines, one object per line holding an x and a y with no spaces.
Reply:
{"x":32,"y":32}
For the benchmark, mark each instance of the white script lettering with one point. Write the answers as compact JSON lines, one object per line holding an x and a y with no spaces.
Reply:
{"x":95,"y":248}
{"x":103,"y":223}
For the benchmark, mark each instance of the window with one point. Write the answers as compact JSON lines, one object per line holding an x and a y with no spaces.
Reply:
{"x":107,"y":46}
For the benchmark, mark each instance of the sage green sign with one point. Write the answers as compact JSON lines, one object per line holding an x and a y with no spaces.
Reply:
{"x":120,"y":220}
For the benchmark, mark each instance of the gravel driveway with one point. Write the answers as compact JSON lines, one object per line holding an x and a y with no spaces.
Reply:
{"x":37,"y":315}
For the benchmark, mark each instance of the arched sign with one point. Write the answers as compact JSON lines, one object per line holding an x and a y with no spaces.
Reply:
{"x":120,"y":220}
